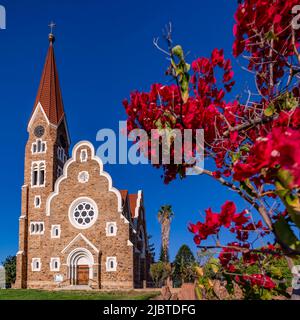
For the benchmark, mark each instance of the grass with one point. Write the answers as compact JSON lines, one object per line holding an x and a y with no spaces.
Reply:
{"x":15,"y":294}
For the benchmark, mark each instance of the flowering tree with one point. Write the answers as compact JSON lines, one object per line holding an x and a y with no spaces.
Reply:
{"x":254,"y":143}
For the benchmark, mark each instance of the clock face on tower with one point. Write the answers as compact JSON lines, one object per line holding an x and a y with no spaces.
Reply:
{"x":39,"y":131}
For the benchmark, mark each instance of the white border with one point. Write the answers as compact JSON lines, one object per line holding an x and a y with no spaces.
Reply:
{"x":52,"y":231}
{"x":38,"y":107}
{"x":65,"y":176}
{"x":40,"y":201}
{"x":74,"y":204}
{"x":108,"y":260}
{"x":32,"y":264}
{"x":52,"y":260}
{"x":107,"y":229}
{"x":80,"y":235}
{"x":138,"y":203}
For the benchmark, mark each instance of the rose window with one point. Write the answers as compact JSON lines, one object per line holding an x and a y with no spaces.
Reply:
{"x":84,"y":214}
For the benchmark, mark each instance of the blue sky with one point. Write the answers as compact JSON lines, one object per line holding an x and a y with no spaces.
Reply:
{"x":103,"y":50}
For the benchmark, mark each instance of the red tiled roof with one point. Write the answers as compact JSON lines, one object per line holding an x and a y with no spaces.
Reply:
{"x":132,"y":201}
{"x":49,"y":93}
{"x":124,"y":194}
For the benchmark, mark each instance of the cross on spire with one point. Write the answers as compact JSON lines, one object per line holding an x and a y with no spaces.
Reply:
{"x":52,"y":25}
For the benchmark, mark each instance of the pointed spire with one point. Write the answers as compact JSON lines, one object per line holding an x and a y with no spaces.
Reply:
{"x":49,"y":93}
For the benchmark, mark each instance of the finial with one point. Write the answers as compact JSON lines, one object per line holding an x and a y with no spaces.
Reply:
{"x":51,"y":37}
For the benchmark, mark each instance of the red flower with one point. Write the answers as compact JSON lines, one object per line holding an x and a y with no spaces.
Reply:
{"x":227,"y":213}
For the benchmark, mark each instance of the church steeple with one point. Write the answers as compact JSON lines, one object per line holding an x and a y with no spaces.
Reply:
{"x":49,"y":93}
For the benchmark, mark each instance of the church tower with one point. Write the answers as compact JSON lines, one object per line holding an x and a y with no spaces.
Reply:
{"x":46,"y":151}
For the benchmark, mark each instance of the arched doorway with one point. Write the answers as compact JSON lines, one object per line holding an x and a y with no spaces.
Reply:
{"x":80,"y":264}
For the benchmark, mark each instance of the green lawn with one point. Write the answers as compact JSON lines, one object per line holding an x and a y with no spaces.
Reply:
{"x":14,"y":294}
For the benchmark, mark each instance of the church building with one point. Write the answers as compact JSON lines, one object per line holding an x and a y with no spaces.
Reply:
{"x":75,"y":229}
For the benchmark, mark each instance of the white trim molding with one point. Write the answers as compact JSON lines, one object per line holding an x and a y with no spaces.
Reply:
{"x":53,"y":267}
{"x":36,"y":264}
{"x":108,"y":227}
{"x":37,"y":201}
{"x":83,"y":155}
{"x":80,"y":236}
{"x":101,"y":173}
{"x":54,"y":228}
{"x":38,"y":166}
{"x":111,"y":264}
{"x":37,"y":228}
{"x":83,"y":177}
{"x":87,"y":202}
{"x":38,"y":107}
{"x":138,"y":203}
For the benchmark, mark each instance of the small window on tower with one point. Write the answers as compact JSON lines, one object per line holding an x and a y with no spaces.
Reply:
{"x":55,"y":231}
{"x":38,"y":174}
{"x":38,"y":146}
{"x":35,"y":176}
{"x":42,"y":174}
{"x":37,"y":201}
{"x":83,"y":155}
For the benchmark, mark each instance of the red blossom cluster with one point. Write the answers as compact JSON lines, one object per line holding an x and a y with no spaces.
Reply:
{"x":237,"y":223}
{"x":163,"y":107}
{"x":249,"y":143}
{"x":277,"y":149}
{"x":231,"y":255}
{"x":264,"y":30}
{"x":259,"y":280}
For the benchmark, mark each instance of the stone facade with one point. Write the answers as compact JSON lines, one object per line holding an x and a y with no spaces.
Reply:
{"x":75,"y":228}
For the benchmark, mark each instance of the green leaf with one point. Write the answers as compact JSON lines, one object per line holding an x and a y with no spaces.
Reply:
{"x":285,"y":178}
{"x":286,"y":234}
{"x":178,"y":52}
{"x":281,"y":191}
{"x":270,"y":110}
{"x":245,"y":148}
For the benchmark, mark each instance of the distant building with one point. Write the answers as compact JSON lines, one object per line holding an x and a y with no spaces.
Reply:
{"x":76,"y":229}
{"x":2,"y":278}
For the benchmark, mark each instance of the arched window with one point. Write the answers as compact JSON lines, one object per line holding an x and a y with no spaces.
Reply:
{"x":38,"y":174}
{"x":37,"y":201}
{"x":61,"y":154}
{"x":111,"y":229}
{"x":55,"y":231}
{"x":39,"y":146}
{"x":37,"y":228}
{"x":42,"y":174}
{"x":54,"y":264}
{"x":83,"y":155}
{"x":35,"y":170}
{"x":36,"y":264}
{"x":111,"y":264}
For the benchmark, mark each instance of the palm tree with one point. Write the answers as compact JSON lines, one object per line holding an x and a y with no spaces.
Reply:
{"x":165,"y":215}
